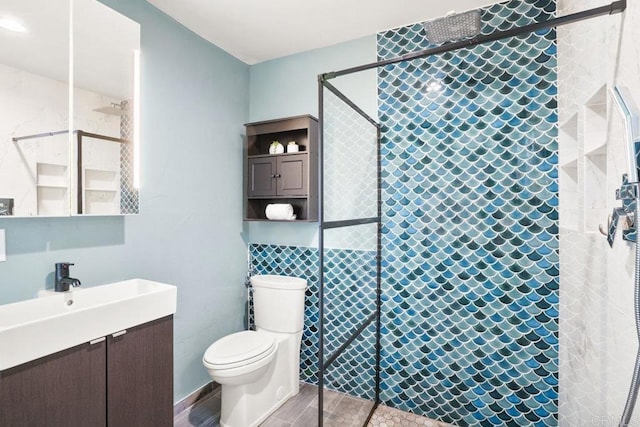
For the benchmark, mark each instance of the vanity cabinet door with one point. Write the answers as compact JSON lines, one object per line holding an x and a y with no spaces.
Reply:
{"x":65,"y":389}
{"x":140,"y":376}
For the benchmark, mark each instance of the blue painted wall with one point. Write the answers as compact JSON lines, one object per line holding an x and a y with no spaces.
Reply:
{"x":288,"y":87}
{"x":195,"y":98}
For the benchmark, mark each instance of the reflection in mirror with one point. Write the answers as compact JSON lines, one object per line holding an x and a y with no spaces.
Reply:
{"x":34,"y":106}
{"x":45,"y":170}
{"x":105,"y":67}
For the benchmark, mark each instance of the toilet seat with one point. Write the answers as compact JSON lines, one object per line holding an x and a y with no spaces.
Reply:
{"x":239,"y":349}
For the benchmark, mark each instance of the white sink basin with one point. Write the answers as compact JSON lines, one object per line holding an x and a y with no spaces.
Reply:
{"x":38,"y":327}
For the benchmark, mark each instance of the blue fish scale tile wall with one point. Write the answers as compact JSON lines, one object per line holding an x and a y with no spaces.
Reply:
{"x":350,"y":283}
{"x":470,"y":233}
{"x":470,"y":237}
{"x":301,"y":262}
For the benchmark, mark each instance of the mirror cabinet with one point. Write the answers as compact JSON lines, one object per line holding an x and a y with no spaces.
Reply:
{"x":69,"y":82}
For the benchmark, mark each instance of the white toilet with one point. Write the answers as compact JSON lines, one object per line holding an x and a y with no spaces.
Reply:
{"x":259,"y":370}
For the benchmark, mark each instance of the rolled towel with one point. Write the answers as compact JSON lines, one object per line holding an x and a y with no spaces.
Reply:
{"x":282,"y":211}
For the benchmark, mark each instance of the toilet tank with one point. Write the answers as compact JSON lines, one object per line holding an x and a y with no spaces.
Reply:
{"x":278,"y":302}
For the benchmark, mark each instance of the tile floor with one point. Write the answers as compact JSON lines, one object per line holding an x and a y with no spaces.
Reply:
{"x":340,"y":410}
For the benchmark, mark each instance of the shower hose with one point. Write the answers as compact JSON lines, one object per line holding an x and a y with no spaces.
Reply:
{"x":635,"y":380}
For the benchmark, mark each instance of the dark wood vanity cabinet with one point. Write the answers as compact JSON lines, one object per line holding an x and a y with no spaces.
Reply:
{"x":121,"y":381}
{"x":286,"y":177}
{"x":68,"y":389}
{"x":140,"y":376}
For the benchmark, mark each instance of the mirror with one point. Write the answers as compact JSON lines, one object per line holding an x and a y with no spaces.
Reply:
{"x":45,"y":170}
{"x":34,"y":108}
{"x":105,"y":66}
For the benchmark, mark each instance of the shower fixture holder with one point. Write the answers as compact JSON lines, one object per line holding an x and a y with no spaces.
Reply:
{"x":628,"y":193}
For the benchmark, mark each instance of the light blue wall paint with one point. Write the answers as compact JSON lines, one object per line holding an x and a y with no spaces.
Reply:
{"x":34,"y":245}
{"x":195,"y":98}
{"x":190,"y":232}
{"x":288,"y":87}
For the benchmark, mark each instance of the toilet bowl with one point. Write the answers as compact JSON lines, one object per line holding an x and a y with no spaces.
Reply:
{"x":240,"y":358}
{"x":259,"y":370}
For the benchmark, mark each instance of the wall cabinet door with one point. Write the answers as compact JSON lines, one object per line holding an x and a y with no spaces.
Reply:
{"x":278,"y":176}
{"x":262,"y":177}
{"x":291,"y":175}
{"x":64,"y":389}
{"x":140,"y":376}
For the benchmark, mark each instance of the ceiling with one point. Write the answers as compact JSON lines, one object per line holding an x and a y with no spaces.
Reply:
{"x":258,"y":30}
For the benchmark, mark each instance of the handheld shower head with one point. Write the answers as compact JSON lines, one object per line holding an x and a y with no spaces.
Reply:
{"x":631,"y":117}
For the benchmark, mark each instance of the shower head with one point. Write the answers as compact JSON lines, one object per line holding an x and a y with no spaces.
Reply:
{"x":453,"y":27}
{"x":113,"y":109}
{"x":631,"y":116}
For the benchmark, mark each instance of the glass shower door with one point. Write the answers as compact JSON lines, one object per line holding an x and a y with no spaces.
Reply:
{"x":349,"y":297}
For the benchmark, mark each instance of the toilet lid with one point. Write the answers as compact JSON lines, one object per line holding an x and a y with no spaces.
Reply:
{"x":239,"y":349}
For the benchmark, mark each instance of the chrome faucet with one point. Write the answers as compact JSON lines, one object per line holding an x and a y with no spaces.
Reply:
{"x":63,"y":281}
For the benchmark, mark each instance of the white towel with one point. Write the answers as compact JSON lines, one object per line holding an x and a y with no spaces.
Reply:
{"x":283,"y":211}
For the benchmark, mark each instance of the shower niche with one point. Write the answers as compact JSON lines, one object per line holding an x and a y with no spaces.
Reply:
{"x":58,"y":161}
{"x":52,"y":188}
{"x":583,"y":164}
{"x":595,"y":115}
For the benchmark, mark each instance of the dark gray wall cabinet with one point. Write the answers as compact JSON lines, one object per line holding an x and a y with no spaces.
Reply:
{"x":121,"y":381}
{"x":282,"y":178}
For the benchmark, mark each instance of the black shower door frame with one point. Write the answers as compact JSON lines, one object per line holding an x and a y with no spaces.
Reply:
{"x":325,"y":362}
{"x":323,"y":83}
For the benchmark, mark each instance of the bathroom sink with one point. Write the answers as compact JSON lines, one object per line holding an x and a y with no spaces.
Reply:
{"x":59,"y":320}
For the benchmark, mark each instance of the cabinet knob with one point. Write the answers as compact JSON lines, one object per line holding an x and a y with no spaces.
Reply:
{"x":277,"y":175}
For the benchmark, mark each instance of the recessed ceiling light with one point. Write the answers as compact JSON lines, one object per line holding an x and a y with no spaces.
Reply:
{"x":12,"y":24}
